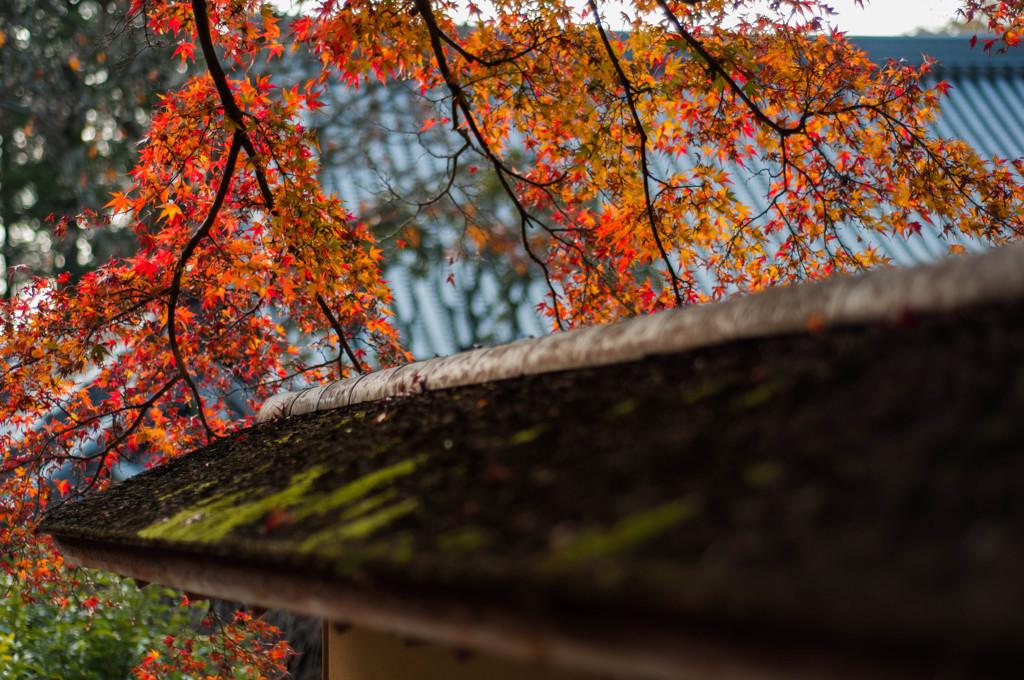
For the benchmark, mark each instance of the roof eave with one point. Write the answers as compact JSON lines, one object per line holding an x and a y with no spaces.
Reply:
{"x":607,"y":645}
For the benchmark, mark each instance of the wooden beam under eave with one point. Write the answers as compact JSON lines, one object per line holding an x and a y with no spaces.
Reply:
{"x":325,"y":657}
{"x":627,"y":648}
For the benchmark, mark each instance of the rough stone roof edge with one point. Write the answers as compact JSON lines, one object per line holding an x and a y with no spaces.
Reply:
{"x":888,"y":294}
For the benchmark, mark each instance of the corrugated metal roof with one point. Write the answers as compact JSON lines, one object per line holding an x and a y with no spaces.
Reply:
{"x":954,"y":55}
{"x":985,"y":108}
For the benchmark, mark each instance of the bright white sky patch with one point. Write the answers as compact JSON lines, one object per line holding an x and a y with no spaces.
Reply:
{"x":893,"y":17}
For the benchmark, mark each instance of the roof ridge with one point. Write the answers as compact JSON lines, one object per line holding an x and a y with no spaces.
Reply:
{"x":995,"y":275}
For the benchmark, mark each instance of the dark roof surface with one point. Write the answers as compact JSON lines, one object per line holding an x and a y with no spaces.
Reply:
{"x":859,"y":483}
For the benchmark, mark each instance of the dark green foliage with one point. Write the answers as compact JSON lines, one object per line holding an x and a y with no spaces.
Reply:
{"x":42,"y":640}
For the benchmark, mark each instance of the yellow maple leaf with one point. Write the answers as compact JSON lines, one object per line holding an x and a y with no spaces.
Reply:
{"x":170,"y":211}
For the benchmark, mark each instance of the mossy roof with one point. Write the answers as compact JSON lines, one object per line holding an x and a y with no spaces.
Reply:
{"x":860,"y":482}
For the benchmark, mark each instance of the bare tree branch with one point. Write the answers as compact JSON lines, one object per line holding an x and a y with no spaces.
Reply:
{"x":645,"y":173}
{"x":502,"y":171}
{"x":179,"y":272}
{"x":235,"y":114}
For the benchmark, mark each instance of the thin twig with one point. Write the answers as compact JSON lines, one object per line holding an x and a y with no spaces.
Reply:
{"x":459,"y":102}
{"x":340,"y":332}
{"x":119,"y":439}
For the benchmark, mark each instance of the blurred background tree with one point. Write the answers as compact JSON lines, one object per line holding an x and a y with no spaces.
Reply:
{"x":77,"y":84}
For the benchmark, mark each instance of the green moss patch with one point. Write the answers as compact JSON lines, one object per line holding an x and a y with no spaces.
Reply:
{"x":603,"y":542}
{"x":356,"y":490}
{"x":209,"y":521}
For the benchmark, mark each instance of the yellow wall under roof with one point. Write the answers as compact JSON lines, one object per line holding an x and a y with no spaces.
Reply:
{"x":359,"y":654}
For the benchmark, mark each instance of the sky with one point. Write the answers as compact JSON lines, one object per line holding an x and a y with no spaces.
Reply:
{"x":893,"y":17}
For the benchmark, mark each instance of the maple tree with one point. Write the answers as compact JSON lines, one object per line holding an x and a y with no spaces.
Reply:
{"x":249,"y":278}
